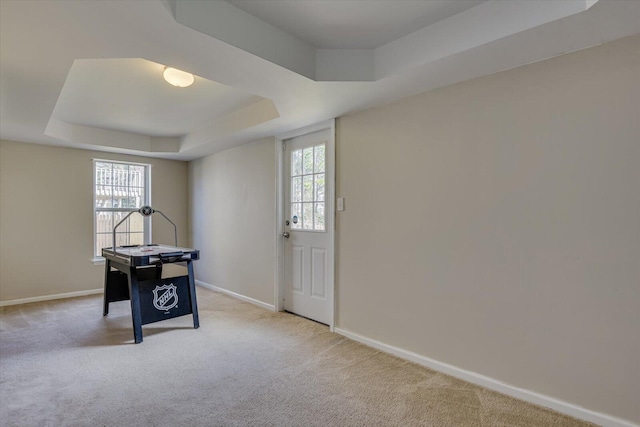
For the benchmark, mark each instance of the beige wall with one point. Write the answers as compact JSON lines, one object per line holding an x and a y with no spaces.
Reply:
{"x":494,"y":225}
{"x":46,"y":216}
{"x":232,"y":198}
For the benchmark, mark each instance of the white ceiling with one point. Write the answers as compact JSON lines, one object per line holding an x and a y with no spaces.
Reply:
{"x":130,"y":95}
{"x":362,"y":24}
{"x":86,"y":73}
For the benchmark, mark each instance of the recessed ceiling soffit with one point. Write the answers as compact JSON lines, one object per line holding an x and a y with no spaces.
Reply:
{"x":487,"y":22}
{"x":125,"y":103}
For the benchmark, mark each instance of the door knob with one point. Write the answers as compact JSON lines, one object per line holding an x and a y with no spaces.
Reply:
{"x":285,"y":234}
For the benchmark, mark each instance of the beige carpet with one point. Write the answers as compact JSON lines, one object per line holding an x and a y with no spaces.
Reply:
{"x":63,"y":364}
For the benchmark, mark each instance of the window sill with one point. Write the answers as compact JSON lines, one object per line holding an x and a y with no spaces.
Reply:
{"x":97,"y":260}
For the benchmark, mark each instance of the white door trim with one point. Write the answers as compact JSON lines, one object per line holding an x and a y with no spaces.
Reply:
{"x":330,"y":210}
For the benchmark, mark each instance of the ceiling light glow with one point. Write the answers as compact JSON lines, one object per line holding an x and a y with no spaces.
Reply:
{"x":177,"y":77}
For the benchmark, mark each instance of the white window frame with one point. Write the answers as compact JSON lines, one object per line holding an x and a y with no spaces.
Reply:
{"x":98,"y":259}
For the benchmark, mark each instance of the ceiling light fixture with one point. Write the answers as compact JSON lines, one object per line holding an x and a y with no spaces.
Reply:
{"x":178,"y":78}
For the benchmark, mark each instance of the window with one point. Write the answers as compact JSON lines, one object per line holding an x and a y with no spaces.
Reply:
{"x":120,"y":188}
{"x":307,"y":188}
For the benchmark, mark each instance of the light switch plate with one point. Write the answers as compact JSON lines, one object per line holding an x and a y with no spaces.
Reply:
{"x":340,"y":204}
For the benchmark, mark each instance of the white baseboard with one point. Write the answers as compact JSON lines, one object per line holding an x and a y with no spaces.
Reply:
{"x":493,"y":384}
{"x":270,"y":307}
{"x":51,"y":297}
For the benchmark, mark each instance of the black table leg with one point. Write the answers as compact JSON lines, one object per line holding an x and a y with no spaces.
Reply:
{"x":192,"y":295}
{"x":107,"y":269}
{"x":136,"y":315}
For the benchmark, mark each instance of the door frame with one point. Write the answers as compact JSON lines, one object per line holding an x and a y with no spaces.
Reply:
{"x":329,"y":125}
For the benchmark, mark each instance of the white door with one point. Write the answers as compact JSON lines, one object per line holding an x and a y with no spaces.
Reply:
{"x":308,"y":220}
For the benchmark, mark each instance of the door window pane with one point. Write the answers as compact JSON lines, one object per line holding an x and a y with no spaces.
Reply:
{"x":319,"y":216}
{"x":307,"y":191}
{"x":307,"y":160}
{"x":307,"y":216}
{"x":308,"y":188}
{"x":296,"y":189}
{"x":318,"y":158}
{"x":296,"y":162}
{"x":319,"y":187}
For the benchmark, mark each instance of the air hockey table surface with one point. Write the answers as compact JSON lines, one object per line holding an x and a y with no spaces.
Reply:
{"x":141,"y":255}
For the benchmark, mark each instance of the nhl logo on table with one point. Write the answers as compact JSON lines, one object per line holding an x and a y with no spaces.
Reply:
{"x":165,"y":297}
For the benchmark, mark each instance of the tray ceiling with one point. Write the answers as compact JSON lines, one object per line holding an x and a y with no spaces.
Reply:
{"x":85,"y":74}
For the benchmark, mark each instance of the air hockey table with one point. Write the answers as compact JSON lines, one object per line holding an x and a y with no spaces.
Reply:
{"x":135,"y":273}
